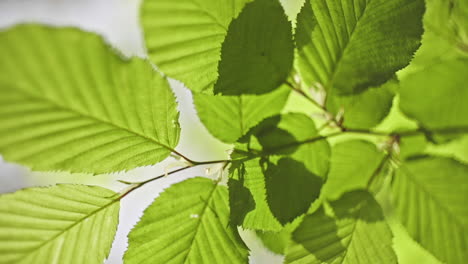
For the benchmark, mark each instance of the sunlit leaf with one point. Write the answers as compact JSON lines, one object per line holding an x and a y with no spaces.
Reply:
{"x":431,"y":195}
{"x":350,"y":45}
{"x":187,"y":223}
{"x":356,"y":233}
{"x":59,"y":224}
{"x":184,"y":37}
{"x":69,"y":102}
{"x":230,"y":117}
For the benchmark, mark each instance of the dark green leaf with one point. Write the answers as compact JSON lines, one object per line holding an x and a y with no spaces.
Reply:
{"x":290,"y":189}
{"x":257,"y":54}
{"x":184,"y":37}
{"x":350,"y":45}
{"x":305,"y":164}
{"x":282,"y":135}
{"x":247,"y":197}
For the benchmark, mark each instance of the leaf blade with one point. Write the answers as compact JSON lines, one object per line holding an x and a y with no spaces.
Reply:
{"x":434,"y":188}
{"x":356,"y":234}
{"x":78,"y":106}
{"x":258,"y":48}
{"x":230,"y":117}
{"x":330,"y":39}
{"x":64,"y":223}
{"x":200,"y":228}
{"x":184,"y":38}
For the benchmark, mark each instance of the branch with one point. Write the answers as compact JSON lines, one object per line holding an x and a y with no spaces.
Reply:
{"x":136,"y":185}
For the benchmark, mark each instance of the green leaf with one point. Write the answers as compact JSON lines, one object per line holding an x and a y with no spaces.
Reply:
{"x":431,"y":195}
{"x":230,"y":117}
{"x":60,"y":224}
{"x":257,"y":54}
{"x":352,"y":165}
{"x":247,"y":197}
{"x":350,"y":45}
{"x":284,"y":135}
{"x":69,"y":102}
{"x":184,"y":37}
{"x":290,"y":189}
{"x":356,"y":233}
{"x":279,"y":240}
{"x":436,"y":96}
{"x":445,"y":35}
{"x":364,"y":110}
{"x":187,"y":223}
{"x":258,"y":200}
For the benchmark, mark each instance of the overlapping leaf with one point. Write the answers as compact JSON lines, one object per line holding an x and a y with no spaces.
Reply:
{"x":184,"y":37}
{"x":364,"y":110}
{"x":350,"y":45}
{"x":357,"y":233}
{"x":431,"y":195}
{"x":282,"y":163}
{"x":188,"y":223}
{"x":352,"y":165}
{"x":445,"y":35}
{"x":60,"y":224}
{"x":69,"y":102}
{"x":257,"y":54}
{"x":230,"y":117}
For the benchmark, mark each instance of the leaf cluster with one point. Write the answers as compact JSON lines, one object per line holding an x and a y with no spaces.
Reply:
{"x":342,"y":118}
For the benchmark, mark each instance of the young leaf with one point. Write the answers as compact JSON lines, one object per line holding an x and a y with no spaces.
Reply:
{"x":364,"y":110}
{"x":188,"y":223}
{"x":357,"y":233}
{"x":230,"y":117}
{"x":436,"y":96}
{"x":184,"y":37}
{"x":69,"y":102}
{"x":350,"y":45}
{"x":257,"y":55}
{"x":431,"y":195}
{"x":352,"y":165}
{"x":59,"y":224}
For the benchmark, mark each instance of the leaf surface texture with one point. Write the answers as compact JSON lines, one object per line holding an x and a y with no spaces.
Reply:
{"x":69,"y":102}
{"x":60,"y":224}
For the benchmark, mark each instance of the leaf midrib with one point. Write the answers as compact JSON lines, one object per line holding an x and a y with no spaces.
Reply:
{"x":62,"y":108}
{"x":202,"y":216}
{"x":68,"y":229}
{"x":339,"y":59}
{"x":433,"y":198}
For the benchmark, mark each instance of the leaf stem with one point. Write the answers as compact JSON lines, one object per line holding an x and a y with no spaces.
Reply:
{"x":136,"y":185}
{"x":330,"y":116}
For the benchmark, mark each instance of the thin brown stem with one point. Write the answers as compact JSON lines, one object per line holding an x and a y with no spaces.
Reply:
{"x":136,"y":185}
